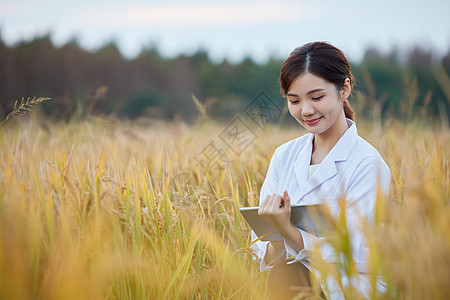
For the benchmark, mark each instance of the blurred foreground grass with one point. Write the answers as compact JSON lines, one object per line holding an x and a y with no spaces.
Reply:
{"x":105,"y":209}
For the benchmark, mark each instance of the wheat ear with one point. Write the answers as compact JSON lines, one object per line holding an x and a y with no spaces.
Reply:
{"x":198,"y":105}
{"x":24,"y":107}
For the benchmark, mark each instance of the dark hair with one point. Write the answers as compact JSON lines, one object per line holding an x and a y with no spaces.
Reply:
{"x":320,"y":59}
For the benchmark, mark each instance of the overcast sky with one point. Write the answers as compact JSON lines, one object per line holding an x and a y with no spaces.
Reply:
{"x":231,"y":29}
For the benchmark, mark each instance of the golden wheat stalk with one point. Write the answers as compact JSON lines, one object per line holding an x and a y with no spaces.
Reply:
{"x":199,"y":105}
{"x":24,"y":107}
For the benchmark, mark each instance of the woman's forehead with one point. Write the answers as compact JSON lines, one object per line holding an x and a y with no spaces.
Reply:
{"x":307,"y":83}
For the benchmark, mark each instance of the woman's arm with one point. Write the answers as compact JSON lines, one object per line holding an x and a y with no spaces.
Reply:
{"x":276,"y":250}
{"x":276,"y":253}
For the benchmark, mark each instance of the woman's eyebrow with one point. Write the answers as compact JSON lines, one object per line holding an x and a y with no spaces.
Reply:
{"x":308,"y":93}
{"x":315,"y":90}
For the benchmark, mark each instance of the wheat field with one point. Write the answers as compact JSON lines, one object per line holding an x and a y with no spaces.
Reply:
{"x":107,"y":209}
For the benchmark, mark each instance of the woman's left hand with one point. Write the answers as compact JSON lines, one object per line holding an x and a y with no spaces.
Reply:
{"x":276,"y":210}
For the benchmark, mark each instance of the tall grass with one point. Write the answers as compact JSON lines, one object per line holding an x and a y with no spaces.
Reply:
{"x":109,"y":209}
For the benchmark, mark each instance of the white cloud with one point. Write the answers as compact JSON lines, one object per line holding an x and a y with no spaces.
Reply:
{"x":195,"y":14}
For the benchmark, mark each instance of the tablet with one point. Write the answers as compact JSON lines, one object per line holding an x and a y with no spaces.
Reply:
{"x":310,"y":218}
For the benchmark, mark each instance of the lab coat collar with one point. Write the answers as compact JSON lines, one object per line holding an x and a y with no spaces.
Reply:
{"x":327,"y":168}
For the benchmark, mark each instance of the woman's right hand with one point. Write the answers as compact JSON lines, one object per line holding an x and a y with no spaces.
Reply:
{"x":276,"y":210}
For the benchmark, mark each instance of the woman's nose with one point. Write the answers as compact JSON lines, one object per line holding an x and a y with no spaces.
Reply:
{"x":307,"y":109}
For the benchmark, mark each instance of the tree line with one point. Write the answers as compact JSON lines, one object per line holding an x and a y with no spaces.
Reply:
{"x":150,"y":85}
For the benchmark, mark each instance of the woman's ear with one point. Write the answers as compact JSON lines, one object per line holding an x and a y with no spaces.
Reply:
{"x":346,"y":89}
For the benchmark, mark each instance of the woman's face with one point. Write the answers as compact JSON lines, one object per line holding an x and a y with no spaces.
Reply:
{"x":316,"y":103}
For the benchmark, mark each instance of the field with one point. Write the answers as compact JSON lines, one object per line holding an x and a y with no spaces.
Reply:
{"x":111,"y":209}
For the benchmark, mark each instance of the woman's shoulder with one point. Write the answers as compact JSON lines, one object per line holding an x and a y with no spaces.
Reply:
{"x":367,"y":150}
{"x":366,"y":154}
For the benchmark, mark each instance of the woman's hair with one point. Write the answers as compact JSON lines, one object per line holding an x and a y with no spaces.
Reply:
{"x":322,"y":60}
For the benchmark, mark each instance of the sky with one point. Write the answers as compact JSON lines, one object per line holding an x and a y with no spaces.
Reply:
{"x":231,"y":29}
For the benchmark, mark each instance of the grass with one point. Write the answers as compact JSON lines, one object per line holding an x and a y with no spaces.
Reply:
{"x":111,"y":209}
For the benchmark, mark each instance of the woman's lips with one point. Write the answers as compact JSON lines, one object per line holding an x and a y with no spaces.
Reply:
{"x":313,"y":121}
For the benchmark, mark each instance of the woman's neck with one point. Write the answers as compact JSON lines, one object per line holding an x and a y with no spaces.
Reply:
{"x":324,"y":142}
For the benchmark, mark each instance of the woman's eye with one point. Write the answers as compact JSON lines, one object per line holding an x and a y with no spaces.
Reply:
{"x":317,"y":98}
{"x":294,"y":102}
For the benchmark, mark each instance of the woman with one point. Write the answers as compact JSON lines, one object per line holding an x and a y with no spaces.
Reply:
{"x":328,"y":163}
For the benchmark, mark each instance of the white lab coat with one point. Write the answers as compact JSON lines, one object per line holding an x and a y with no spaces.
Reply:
{"x":352,"y":168}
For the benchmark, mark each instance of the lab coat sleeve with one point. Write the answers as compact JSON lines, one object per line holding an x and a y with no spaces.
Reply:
{"x":269,"y":187}
{"x":309,"y":241}
{"x":369,"y":176}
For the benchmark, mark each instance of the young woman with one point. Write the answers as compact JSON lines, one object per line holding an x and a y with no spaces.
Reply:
{"x":330,"y":162}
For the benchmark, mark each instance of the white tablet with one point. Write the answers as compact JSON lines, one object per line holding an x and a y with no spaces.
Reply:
{"x":310,"y":218}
